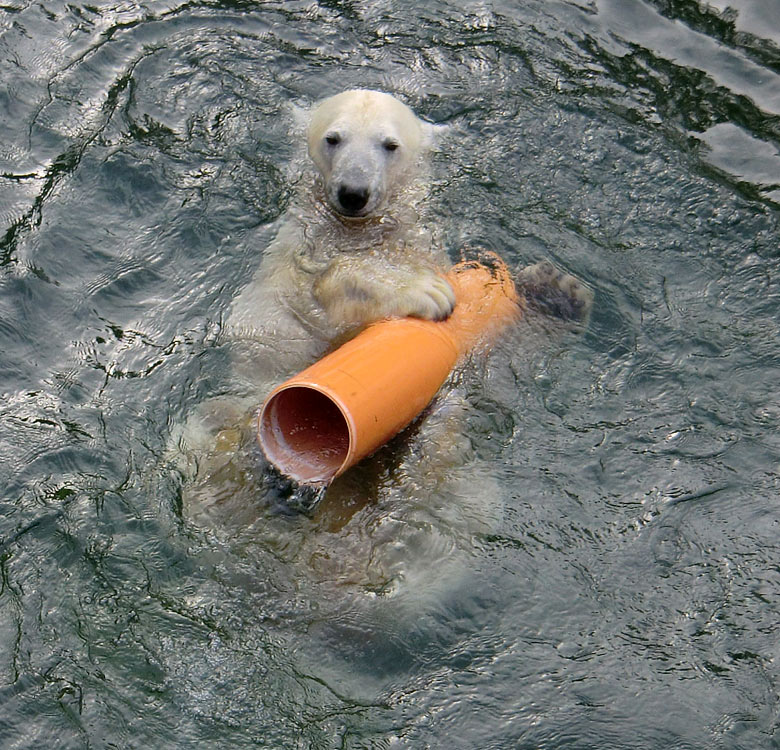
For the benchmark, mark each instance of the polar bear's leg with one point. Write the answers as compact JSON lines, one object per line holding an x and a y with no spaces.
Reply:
{"x":443,"y":463}
{"x":556,"y":293}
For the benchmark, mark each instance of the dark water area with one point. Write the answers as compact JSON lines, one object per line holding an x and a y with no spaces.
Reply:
{"x":630,"y":596}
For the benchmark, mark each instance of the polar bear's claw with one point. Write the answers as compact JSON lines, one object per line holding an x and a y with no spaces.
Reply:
{"x":429,"y":296}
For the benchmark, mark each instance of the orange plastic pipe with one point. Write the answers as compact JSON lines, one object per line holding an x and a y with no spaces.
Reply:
{"x":316,"y":425}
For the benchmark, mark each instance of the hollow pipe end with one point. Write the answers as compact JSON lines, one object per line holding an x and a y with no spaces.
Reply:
{"x":303,"y":432}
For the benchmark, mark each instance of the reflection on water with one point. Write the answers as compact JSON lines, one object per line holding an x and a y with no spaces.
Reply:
{"x":707,"y":47}
{"x":745,"y":157}
{"x":625,"y":598}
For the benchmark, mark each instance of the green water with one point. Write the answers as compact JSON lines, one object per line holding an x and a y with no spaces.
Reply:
{"x":630,"y":595}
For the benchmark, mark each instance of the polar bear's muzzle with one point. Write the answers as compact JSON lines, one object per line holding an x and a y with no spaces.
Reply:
{"x":354,"y":195}
{"x":355,"y":185}
{"x":352,"y":199}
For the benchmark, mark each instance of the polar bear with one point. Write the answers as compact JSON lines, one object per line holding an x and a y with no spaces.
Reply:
{"x":354,"y":247}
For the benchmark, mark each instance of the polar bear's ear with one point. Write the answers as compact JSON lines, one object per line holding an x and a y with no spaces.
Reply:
{"x":433,"y":134}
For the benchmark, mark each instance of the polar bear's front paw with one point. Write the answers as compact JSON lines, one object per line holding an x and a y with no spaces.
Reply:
{"x":356,"y":296}
{"x":556,"y":293}
{"x":427,"y":295}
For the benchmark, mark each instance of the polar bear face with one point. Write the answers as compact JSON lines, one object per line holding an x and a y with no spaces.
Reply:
{"x":367,"y":146}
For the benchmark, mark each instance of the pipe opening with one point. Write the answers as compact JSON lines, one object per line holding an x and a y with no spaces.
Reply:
{"x":304,"y":434}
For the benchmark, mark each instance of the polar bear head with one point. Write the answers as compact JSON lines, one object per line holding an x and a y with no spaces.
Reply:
{"x":367,"y":146}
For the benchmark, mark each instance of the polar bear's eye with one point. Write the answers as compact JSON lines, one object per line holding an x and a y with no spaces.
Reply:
{"x":391,"y":145}
{"x":333,"y":139}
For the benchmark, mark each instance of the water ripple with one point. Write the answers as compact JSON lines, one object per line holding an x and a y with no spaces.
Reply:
{"x":626,"y":598}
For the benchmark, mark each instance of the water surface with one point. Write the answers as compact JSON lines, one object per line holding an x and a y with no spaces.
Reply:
{"x":629,"y":596}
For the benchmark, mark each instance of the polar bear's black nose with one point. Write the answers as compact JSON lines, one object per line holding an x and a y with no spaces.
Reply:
{"x":352,"y":199}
